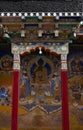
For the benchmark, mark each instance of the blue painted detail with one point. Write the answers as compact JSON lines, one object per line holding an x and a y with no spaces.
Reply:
{"x":52,"y":87}
{"x":29,"y":106}
{"x":47,"y":43}
{"x":48,"y":108}
{"x":48,"y":68}
{"x":32,"y":69}
{"x":33,"y":43}
{"x":27,"y":86}
{"x":81,"y":109}
{"x":3,"y":93}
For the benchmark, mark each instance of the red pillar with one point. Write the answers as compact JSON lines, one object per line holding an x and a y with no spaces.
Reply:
{"x":65,"y":109}
{"x":15,"y":98}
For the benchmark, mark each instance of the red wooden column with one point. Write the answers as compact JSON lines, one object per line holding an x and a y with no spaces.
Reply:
{"x":15,"y":95}
{"x":15,"y":100}
{"x":65,"y":109}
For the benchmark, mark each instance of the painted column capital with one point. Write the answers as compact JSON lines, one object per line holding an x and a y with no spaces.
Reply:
{"x":63,"y":50}
{"x":63,"y":61}
{"x":64,"y":53}
{"x":16,"y":60}
{"x":16,"y":63}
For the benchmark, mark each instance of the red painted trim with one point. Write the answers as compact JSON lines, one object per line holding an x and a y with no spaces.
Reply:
{"x":15,"y":100}
{"x":65,"y":109}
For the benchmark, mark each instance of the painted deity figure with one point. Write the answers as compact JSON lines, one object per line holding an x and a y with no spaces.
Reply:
{"x":40,"y":73}
{"x":40,"y":82}
{"x":25,"y":86}
{"x":56,"y":88}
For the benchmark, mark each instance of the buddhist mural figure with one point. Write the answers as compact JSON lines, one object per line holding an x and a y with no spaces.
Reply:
{"x":40,"y":73}
{"x":56,"y":87}
{"x":40,"y":84}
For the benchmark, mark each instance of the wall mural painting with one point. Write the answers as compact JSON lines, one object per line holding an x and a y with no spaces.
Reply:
{"x":40,"y":91}
{"x":6,"y":63}
{"x":75,"y":84}
{"x":39,"y":94}
{"x":6,"y":81}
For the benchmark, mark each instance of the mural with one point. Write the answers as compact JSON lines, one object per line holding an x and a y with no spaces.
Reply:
{"x":6,"y":81}
{"x":40,"y":90}
{"x":40,"y":93}
{"x":75,"y":84}
{"x":6,"y":63}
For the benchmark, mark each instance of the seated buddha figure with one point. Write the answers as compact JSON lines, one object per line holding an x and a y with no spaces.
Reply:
{"x":40,"y":73}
